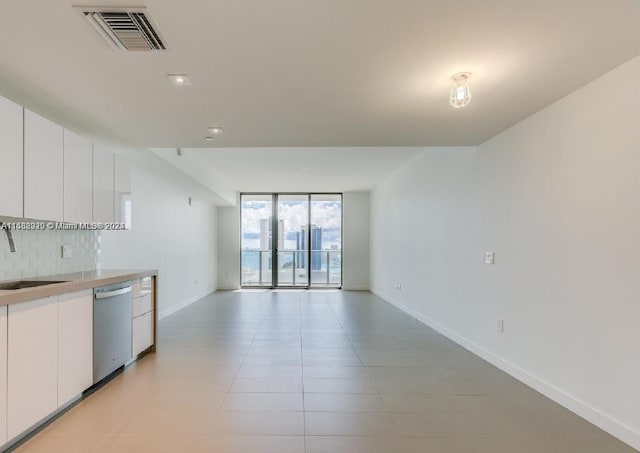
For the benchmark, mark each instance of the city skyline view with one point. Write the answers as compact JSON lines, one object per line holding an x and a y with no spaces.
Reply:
{"x":308,"y":234}
{"x":292,"y":218}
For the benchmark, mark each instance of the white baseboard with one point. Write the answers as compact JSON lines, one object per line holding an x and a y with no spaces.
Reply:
{"x":182,"y":304}
{"x":604,"y":421}
{"x":355,"y":288}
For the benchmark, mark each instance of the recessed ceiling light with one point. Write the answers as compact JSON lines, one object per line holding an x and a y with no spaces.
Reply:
{"x":305,"y":168}
{"x":179,"y":79}
{"x":209,"y":139}
{"x":216,"y":130}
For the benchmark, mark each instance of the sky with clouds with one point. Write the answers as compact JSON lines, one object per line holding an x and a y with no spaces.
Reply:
{"x":326,"y":213}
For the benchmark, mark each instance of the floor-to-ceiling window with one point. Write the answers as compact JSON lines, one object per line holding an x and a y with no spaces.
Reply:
{"x":297,"y":235}
{"x":256,"y":256}
{"x":293,"y":249}
{"x":326,"y":239}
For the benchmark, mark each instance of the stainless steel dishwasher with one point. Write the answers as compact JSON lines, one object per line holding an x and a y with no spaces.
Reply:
{"x":111,"y":328}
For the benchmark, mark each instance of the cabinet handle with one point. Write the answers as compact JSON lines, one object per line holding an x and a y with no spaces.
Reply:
{"x":115,"y":292}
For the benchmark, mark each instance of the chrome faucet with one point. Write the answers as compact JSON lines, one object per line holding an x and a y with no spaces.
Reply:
{"x":7,"y":230}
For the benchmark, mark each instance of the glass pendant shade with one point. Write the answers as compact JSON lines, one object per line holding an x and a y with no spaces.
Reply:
{"x":460,"y":92}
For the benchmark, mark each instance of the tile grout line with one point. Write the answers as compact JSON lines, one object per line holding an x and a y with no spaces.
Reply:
{"x":304,"y":411}
{"x":235,"y":376}
{"x":344,"y":332}
{"x":275,"y":319}
{"x":395,"y":424}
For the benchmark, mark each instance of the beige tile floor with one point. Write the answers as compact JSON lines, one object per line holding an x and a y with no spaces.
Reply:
{"x":313,"y":371}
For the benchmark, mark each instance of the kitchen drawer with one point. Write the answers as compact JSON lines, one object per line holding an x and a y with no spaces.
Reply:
{"x":142,"y":333}
{"x":137,"y":286}
{"x":142,"y":286}
{"x":142,"y":305}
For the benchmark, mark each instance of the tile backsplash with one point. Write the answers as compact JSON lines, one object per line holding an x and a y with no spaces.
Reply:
{"x":39,"y":253}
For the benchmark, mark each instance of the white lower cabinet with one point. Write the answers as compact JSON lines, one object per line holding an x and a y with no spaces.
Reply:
{"x":3,"y":374}
{"x":143,"y":315}
{"x":75,"y":345}
{"x":142,"y":305}
{"x":32,"y":363}
{"x":142,"y":332}
{"x":46,"y":353}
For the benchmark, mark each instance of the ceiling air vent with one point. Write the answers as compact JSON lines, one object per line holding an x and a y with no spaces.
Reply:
{"x":127,"y":29}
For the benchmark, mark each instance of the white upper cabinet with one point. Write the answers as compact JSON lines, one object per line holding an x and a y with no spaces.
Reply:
{"x":43,"y":168}
{"x":103,"y":184}
{"x":123,"y":191}
{"x":11,"y":158}
{"x":78,"y":178}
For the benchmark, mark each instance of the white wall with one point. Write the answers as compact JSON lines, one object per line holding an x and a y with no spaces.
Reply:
{"x":229,"y":247}
{"x":355,"y":241}
{"x":169,"y":235}
{"x":557,"y":198}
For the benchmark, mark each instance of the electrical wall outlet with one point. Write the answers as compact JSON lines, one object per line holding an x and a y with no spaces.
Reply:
{"x":67,"y":251}
{"x":489,"y":258}
{"x":501,"y":325}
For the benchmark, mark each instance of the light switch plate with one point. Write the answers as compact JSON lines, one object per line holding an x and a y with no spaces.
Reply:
{"x":489,"y":258}
{"x":67,"y":251}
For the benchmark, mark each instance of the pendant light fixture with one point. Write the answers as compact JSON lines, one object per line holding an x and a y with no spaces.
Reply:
{"x":460,"y":92}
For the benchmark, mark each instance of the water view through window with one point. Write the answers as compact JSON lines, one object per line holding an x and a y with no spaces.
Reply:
{"x":291,"y":240}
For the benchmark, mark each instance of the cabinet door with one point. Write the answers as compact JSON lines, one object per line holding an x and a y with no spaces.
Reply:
{"x":142,"y":332}
{"x":75,"y":345}
{"x":142,"y":305}
{"x":103,"y":184}
{"x":78,"y":178}
{"x":122,"y":191}
{"x":11,"y":158}
{"x":33,"y":363}
{"x":43,"y":168}
{"x":3,"y":375}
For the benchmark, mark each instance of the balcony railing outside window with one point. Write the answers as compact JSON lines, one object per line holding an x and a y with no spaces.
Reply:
{"x":326,"y":268}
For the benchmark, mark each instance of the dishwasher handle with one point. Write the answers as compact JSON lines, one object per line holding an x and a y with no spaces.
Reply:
{"x":115,"y":292}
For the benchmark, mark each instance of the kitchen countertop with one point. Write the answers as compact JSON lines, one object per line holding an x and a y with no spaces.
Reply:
{"x":76,"y":281}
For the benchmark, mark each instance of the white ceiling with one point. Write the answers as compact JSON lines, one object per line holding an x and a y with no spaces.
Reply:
{"x":302,"y":169}
{"x":282,"y":76}
{"x":326,"y":73}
